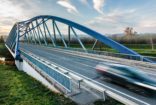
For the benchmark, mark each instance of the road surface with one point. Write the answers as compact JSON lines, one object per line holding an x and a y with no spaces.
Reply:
{"x":84,"y":66}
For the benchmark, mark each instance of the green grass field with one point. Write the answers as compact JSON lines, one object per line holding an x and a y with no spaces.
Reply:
{"x":17,"y":88}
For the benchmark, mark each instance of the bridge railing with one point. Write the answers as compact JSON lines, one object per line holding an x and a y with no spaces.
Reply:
{"x":59,"y":77}
{"x":100,"y":89}
{"x":112,"y":54}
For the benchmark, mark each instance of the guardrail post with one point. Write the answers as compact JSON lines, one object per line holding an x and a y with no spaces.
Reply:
{"x":79,"y":83}
{"x":104,"y":95}
{"x":141,"y":58}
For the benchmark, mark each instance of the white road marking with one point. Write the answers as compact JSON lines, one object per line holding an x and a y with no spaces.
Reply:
{"x":103,"y":85}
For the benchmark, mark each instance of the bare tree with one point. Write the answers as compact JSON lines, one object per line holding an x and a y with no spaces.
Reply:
{"x":129,"y":31}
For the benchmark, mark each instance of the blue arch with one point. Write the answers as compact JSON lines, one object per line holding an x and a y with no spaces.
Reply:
{"x":113,"y":44}
{"x":119,"y":47}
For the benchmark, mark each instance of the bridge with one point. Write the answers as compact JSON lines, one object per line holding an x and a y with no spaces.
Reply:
{"x":42,"y":50}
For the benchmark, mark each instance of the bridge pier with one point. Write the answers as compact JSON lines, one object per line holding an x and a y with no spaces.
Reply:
{"x":27,"y":68}
{"x":19,"y":65}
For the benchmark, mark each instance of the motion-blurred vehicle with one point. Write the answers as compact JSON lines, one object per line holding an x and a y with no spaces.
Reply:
{"x":127,"y":75}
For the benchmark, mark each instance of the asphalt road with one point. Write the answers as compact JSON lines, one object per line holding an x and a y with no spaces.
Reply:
{"x":84,"y":66}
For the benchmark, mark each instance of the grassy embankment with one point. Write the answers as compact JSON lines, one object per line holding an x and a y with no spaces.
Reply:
{"x":17,"y":88}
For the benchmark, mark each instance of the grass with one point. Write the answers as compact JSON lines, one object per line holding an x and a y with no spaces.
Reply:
{"x":17,"y":88}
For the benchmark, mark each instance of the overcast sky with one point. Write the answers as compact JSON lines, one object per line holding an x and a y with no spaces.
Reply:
{"x":104,"y":16}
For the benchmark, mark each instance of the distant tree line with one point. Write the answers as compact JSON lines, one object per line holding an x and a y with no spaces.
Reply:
{"x":1,"y":39}
{"x":137,"y":39}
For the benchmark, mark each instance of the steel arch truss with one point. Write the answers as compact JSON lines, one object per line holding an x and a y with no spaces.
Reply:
{"x":36,"y":31}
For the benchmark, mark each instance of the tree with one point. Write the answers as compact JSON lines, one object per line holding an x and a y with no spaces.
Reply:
{"x":129,"y":31}
{"x":1,"y":39}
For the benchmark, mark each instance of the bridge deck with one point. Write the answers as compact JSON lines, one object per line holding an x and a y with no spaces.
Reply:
{"x":82,"y":65}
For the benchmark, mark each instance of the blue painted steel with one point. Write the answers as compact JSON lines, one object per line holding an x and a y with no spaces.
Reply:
{"x":90,"y":32}
{"x":57,"y":76}
{"x":17,"y":52}
{"x":33,"y":36}
{"x":54,"y":31}
{"x":26,"y":38}
{"x":33,"y":27}
{"x":13,"y":42}
{"x":41,"y":33}
{"x":12,"y":37}
{"x":78,"y":39}
{"x":52,"y":40}
{"x":119,"y":47}
{"x":34,"y":31}
{"x":45,"y":33}
{"x":65,"y":45}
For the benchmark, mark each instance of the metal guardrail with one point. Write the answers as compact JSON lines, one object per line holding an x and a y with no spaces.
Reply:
{"x":105,"y":90}
{"x":118,"y":55}
{"x":152,"y":66}
{"x":61,"y":78}
{"x":111,"y":54}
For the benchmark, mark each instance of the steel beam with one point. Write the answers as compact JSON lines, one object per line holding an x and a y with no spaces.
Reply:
{"x":53,"y":25}
{"x":45,"y":33}
{"x":41,"y":33}
{"x":94,"y":44}
{"x":50,"y":34}
{"x":79,"y":40}
{"x":65,"y":45}
{"x":34,"y":26}
{"x":69,"y":36}
{"x":33,"y":39}
{"x":36,"y":33}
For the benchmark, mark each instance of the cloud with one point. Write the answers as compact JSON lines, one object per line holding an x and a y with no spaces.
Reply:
{"x":12,"y":11}
{"x":66,"y":3}
{"x":115,"y":16}
{"x":117,"y":20}
{"x":114,"y":22}
{"x":148,"y":23}
{"x":98,"y":5}
{"x":9,"y":14}
{"x":9,"y":10}
{"x":84,"y":1}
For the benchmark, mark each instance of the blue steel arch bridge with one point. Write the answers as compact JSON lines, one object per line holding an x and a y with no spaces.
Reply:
{"x":35,"y":41}
{"x":32,"y":32}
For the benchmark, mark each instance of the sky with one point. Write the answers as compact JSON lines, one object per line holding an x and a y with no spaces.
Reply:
{"x":103,"y":16}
